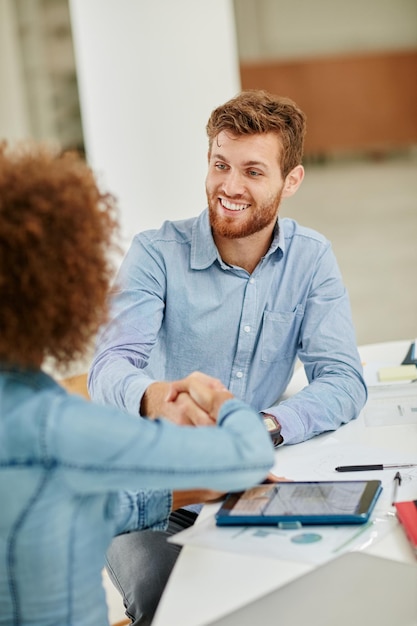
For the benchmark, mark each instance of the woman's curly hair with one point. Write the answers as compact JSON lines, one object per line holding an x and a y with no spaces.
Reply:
{"x":57,"y":230}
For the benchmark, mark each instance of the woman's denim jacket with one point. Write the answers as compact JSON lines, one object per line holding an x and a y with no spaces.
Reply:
{"x":64,"y":463}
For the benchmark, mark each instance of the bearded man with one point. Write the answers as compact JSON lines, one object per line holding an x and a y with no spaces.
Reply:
{"x":237,"y":293}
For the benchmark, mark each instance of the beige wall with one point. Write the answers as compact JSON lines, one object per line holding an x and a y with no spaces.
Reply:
{"x":276,"y":29}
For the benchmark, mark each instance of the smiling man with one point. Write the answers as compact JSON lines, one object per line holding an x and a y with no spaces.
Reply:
{"x":244,"y":194}
{"x":237,"y":293}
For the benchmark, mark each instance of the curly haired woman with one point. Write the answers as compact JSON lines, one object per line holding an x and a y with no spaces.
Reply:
{"x":74,"y":474}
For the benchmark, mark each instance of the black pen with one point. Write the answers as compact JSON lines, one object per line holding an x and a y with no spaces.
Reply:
{"x":377,"y":466}
{"x":397,"y":483}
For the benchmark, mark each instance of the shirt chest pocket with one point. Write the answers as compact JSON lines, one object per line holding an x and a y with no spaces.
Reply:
{"x":280,"y":334}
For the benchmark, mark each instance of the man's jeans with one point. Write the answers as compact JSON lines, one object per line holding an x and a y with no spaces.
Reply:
{"x":139,"y":564}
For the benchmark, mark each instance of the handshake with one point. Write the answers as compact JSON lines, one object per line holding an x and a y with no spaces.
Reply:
{"x":191,"y":401}
{"x":194,"y":400}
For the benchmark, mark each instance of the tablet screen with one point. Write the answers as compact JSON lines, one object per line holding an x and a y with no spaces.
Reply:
{"x":316,"y":502}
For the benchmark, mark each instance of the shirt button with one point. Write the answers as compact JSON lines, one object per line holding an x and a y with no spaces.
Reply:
{"x":247,"y":329}
{"x":239,"y":374}
{"x":251,"y":280}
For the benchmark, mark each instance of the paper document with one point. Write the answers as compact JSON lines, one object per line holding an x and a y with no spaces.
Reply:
{"x":309,"y":544}
{"x":321,"y":543}
{"x":391,"y":404}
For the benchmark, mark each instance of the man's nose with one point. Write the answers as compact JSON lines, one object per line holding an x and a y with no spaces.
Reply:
{"x":233,"y":184}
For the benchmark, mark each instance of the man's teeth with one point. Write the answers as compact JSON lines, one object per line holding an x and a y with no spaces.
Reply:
{"x":232,"y":206}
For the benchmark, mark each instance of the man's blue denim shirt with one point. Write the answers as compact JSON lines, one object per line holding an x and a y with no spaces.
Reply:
{"x":63,"y":462}
{"x":178,"y":308}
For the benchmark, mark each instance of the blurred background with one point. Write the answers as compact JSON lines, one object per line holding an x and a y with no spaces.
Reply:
{"x":131,"y":85}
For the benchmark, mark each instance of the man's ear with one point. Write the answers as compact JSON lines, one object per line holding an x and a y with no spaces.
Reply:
{"x":293,"y":181}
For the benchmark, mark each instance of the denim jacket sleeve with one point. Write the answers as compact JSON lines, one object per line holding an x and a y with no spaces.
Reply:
{"x":137,"y":510}
{"x":102,"y":449}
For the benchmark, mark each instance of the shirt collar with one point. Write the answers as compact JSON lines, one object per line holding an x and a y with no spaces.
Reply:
{"x":203,"y":249}
{"x":278,"y":241}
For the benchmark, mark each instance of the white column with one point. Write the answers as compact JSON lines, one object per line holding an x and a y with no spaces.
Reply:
{"x":149,"y":75}
{"x":14,"y":119}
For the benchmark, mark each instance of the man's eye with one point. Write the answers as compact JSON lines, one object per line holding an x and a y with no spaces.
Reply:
{"x":254,"y":173}
{"x":220,"y":166}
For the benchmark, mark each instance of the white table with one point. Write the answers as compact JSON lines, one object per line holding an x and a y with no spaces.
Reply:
{"x":206,"y":584}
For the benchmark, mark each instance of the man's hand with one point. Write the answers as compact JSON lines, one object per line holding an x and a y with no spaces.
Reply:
{"x":195,"y":496}
{"x":194,"y":400}
{"x":271,"y":478}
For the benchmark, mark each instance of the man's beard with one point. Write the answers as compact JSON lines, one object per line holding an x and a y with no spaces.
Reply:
{"x":259,"y":218}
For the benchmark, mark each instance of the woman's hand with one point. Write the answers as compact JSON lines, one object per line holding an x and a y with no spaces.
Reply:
{"x":204,"y":393}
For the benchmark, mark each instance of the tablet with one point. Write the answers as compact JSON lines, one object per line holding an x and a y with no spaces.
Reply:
{"x":318,"y":502}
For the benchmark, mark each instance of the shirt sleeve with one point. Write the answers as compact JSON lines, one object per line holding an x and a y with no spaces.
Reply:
{"x":336,"y":392}
{"x":117,"y":375}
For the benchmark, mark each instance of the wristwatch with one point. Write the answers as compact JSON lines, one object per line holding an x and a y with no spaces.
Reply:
{"x":274,"y":428}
